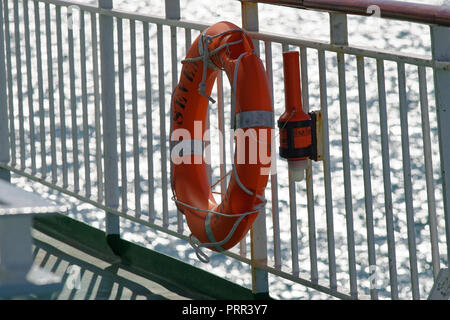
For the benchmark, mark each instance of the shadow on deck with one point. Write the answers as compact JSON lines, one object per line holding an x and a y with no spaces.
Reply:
{"x":86,"y":277}
{"x":91,"y":270}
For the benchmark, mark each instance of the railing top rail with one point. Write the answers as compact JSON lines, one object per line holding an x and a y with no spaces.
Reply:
{"x":69,"y":3}
{"x":405,"y":11}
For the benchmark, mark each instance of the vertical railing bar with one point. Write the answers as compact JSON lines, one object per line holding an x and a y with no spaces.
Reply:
{"x":407,"y":182}
{"x":173,"y":55}
{"x":339,"y":36}
{"x":309,"y":173}
{"x":12,"y":130}
{"x":187,"y":39}
{"x":51,"y":97}
{"x":148,"y":113}
{"x":172,"y":11}
{"x":84,"y":102}
{"x":29,"y":86}
{"x":98,"y":141}
{"x":243,"y":247}
{"x":137,"y":178}
{"x":162,"y":116}
{"x":62,"y":112}
{"x":347,"y":175}
{"x":440,"y":49}
{"x":73,"y":105}
{"x":293,"y":224}
{"x":258,"y":233}
{"x":366,"y":168}
{"x":221,"y":120}
{"x":37,"y":26}
{"x":122,"y":115}
{"x":109,"y":121}
{"x":19,"y":84}
{"x":327,"y":172}
{"x":4,"y":128}
{"x":273,"y":176}
{"x":207,"y":144}
{"x":293,"y":212}
{"x":435,"y":257}
{"x":387,"y":179}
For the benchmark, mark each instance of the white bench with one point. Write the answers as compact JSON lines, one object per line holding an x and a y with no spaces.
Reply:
{"x":18,"y":275}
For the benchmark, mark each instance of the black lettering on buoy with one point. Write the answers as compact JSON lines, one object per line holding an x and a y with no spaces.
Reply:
{"x":189,"y":75}
{"x":182,"y":88}
{"x":180,"y":104}
{"x":177,"y":116}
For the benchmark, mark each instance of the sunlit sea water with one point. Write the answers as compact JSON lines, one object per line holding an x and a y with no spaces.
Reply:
{"x":388,"y":35}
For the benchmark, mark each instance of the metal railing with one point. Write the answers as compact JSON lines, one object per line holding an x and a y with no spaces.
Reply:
{"x":115,"y":135}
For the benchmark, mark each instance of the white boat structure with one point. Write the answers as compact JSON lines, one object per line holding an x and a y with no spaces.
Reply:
{"x":85,"y":112}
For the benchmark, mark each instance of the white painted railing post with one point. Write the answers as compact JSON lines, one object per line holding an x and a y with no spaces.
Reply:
{"x":260,"y":281}
{"x":108,"y":102}
{"x":4,"y":131}
{"x":173,"y":12}
{"x":440,"y":43}
{"x":173,"y":9}
{"x":339,"y":36}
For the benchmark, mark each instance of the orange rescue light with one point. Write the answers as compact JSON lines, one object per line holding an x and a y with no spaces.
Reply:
{"x":296,"y":126}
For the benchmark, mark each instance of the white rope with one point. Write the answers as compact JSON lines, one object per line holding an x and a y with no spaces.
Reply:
{"x":206,"y":40}
{"x":197,"y":245}
{"x":226,"y":215}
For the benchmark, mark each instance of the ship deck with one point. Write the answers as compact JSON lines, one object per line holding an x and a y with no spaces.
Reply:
{"x":86,"y":277}
{"x":90,"y":270}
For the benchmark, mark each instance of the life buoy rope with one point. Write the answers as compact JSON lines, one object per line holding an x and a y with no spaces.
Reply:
{"x":218,"y":227}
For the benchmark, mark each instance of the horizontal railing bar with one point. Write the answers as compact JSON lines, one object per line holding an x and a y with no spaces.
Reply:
{"x":68,"y":3}
{"x":129,"y":15}
{"x":352,"y":50}
{"x":406,"y":11}
{"x":154,"y":19}
{"x":360,"y":52}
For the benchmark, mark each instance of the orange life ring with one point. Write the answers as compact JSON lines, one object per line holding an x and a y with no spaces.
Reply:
{"x":223,"y":46}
